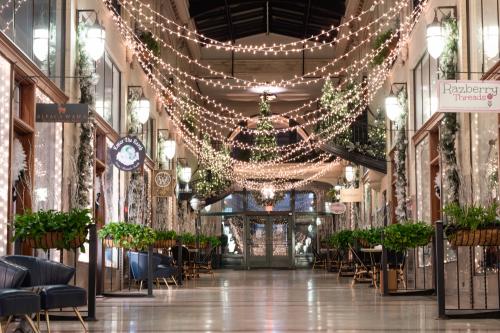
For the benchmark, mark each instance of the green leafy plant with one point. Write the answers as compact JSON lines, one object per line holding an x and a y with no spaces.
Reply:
{"x":470,"y":217}
{"x":214,"y":241}
{"x":372,"y":236}
{"x":342,"y":239}
{"x":385,"y":51}
{"x":400,"y":237}
{"x":187,"y":238}
{"x":165,"y":235}
{"x":128,"y":235}
{"x":72,"y":225}
{"x":147,"y":38}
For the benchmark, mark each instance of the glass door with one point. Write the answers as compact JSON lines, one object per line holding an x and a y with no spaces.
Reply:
{"x":269,"y":240}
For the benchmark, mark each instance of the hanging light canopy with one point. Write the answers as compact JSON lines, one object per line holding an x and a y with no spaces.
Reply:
{"x":41,"y":43}
{"x":169,"y":147}
{"x":392,"y":107}
{"x":95,"y":39}
{"x":435,"y":38}
{"x":140,"y":109}
{"x":186,"y":174}
{"x":490,"y":41}
{"x":350,"y":172}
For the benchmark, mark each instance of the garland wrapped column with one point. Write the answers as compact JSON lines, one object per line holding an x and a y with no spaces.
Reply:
{"x":400,"y":161}
{"x":449,"y":127}
{"x":85,"y":159}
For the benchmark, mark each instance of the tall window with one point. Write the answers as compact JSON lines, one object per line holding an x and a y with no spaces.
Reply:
{"x":36,"y":27}
{"x":425,"y":81}
{"x":107,"y":96}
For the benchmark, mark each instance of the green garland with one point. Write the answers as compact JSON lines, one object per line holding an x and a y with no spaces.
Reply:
{"x":449,"y":127}
{"x":400,"y":160}
{"x":85,"y":159}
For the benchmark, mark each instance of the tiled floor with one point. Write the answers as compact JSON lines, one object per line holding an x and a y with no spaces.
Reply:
{"x":273,"y":301}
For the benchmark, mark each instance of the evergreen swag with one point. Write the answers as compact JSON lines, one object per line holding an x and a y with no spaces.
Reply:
{"x":400,"y":160}
{"x":85,"y":157}
{"x":333,"y":102}
{"x":268,"y":142}
{"x":212,"y":178}
{"x":449,"y":127}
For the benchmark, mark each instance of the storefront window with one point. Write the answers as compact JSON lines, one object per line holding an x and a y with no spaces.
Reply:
{"x":233,"y":228}
{"x":484,"y":38}
{"x":280,"y":206}
{"x":5,"y":89}
{"x":36,"y":27}
{"x":234,"y":202}
{"x":425,"y":81}
{"x":305,"y":235}
{"x":107,"y":96}
{"x":304,"y":202}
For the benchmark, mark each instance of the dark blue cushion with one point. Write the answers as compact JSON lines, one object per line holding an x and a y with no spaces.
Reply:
{"x":164,"y":272}
{"x":18,"y":302}
{"x":11,"y":275}
{"x":42,"y":271}
{"x":62,"y":296}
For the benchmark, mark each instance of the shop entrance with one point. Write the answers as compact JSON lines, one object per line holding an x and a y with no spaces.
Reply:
{"x":269,"y":240}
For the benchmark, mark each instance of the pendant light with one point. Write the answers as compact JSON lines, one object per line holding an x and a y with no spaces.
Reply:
{"x":169,"y":147}
{"x":141,"y":109}
{"x":41,"y":43}
{"x":490,"y":41}
{"x":350,"y":173}
{"x":435,"y":38}
{"x":392,"y":107}
{"x":95,"y":40}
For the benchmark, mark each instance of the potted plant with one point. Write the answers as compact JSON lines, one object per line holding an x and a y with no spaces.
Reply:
{"x":368,"y":237}
{"x":472,"y":225}
{"x":164,"y":239}
{"x":188,"y":239}
{"x":50,"y":229}
{"x":127,"y":235}
{"x":400,"y":237}
{"x":342,"y":239}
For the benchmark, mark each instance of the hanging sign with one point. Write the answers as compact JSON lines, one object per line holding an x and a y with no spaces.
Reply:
{"x":468,"y":96}
{"x":337,"y":208}
{"x":128,"y":153}
{"x":62,"y":113}
{"x":163,"y":183}
{"x":351,"y":195}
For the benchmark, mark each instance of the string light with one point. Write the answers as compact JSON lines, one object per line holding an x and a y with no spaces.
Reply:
{"x":11,"y":21}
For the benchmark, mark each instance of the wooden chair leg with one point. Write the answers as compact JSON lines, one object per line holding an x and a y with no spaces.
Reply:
{"x":8,"y":322}
{"x":47,"y":320}
{"x":175,"y":281}
{"x":31,"y":323}
{"x":38,"y":320}
{"x":140,"y":286}
{"x":80,"y":318}
{"x":166,"y":283}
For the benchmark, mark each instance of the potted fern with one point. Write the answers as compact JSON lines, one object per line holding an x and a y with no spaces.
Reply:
{"x":368,"y":237}
{"x":50,"y":229}
{"x":164,"y":239}
{"x":400,"y":237}
{"x":127,"y":235}
{"x":472,"y":225}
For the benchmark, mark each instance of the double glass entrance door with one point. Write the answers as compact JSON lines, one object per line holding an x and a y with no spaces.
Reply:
{"x":268,"y":241}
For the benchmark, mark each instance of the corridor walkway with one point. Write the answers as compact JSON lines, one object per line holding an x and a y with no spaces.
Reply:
{"x":274,"y":301}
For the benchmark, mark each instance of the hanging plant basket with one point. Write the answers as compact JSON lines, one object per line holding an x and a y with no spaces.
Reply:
{"x":164,"y":243}
{"x":54,"y":240}
{"x":110,"y":242}
{"x":478,"y":237}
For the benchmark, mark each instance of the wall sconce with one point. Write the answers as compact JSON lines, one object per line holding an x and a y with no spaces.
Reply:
{"x":436,"y":34}
{"x":490,"y":41}
{"x":350,"y":172}
{"x":394,"y":109}
{"x":41,"y":43}
{"x":168,"y":145}
{"x":141,"y":106}
{"x":94,"y":36}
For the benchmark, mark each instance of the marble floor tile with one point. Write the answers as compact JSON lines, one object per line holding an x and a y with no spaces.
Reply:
{"x":273,"y":301}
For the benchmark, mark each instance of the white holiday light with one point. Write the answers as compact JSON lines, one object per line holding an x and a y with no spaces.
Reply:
{"x":435,"y":38}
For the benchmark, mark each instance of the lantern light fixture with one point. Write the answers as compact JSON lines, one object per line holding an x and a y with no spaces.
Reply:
{"x":435,"y":38}
{"x":95,"y":40}
{"x":392,"y":107}
{"x":41,"y":43}
{"x":350,"y":172}
{"x":169,"y":147}
{"x":491,"y":41}
{"x":186,"y":173}
{"x":141,"y":109}
{"x":195,"y":203}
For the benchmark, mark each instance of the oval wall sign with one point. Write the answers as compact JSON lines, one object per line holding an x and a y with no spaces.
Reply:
{"x":128,"y":153}
{"x":338,"y":208}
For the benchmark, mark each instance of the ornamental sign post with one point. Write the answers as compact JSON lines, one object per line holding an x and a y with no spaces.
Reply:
{"x":128,"y":153}
{"x":468,"y":96}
